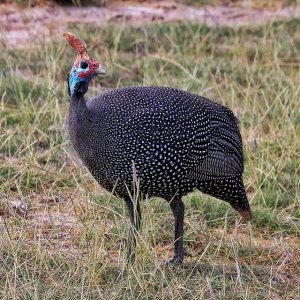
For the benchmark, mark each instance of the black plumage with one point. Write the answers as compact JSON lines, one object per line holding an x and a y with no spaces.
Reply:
{"x":165,"y":141}
{"x":172,"y":141}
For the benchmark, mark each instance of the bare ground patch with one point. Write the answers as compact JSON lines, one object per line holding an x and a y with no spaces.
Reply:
{"x":22,"y":27}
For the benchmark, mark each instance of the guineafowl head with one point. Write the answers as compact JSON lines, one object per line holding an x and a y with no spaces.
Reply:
{"x":84,"y":68}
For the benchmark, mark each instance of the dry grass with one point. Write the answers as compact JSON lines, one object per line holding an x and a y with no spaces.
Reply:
{"x":69,"y":243}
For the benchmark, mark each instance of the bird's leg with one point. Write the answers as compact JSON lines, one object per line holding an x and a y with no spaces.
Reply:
{"x":177,"y":207}
{"x":135,"y":218}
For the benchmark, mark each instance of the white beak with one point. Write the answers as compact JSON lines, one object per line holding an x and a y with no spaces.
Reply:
{"x":101,"y":70}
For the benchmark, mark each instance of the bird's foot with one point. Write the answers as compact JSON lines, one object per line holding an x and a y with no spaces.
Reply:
{"x":178,"y":258}
{"x":130,"y":257}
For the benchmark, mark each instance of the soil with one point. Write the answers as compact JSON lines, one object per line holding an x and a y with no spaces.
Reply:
{"x":26,"y":26}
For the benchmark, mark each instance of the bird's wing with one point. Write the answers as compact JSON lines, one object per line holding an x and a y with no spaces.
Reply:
{"x":224,"y":155}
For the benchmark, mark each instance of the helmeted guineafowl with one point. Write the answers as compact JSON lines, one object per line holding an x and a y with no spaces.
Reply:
{"x":168,"y":140}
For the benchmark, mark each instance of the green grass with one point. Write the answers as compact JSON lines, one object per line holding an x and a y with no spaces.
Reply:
{"x":71,"y":243}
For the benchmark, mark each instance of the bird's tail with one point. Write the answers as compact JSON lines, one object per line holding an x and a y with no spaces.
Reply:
{"x":239,"y":201}
{"x":231,"y":190}
{"x":242,"y":206}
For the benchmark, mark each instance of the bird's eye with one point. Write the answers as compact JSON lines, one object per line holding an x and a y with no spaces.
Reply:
{"x":83,"y":65}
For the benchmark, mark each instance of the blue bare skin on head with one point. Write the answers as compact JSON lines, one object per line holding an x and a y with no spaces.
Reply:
{"x":84,"y":68}
{"x":77,"y":79}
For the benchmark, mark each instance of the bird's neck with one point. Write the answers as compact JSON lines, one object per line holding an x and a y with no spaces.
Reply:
{"x":78,"y":104}
{"x":78,"y":115}
{"x":82,"y":129}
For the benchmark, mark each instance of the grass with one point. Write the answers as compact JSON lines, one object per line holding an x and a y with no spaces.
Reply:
{"x":70,"y":243}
